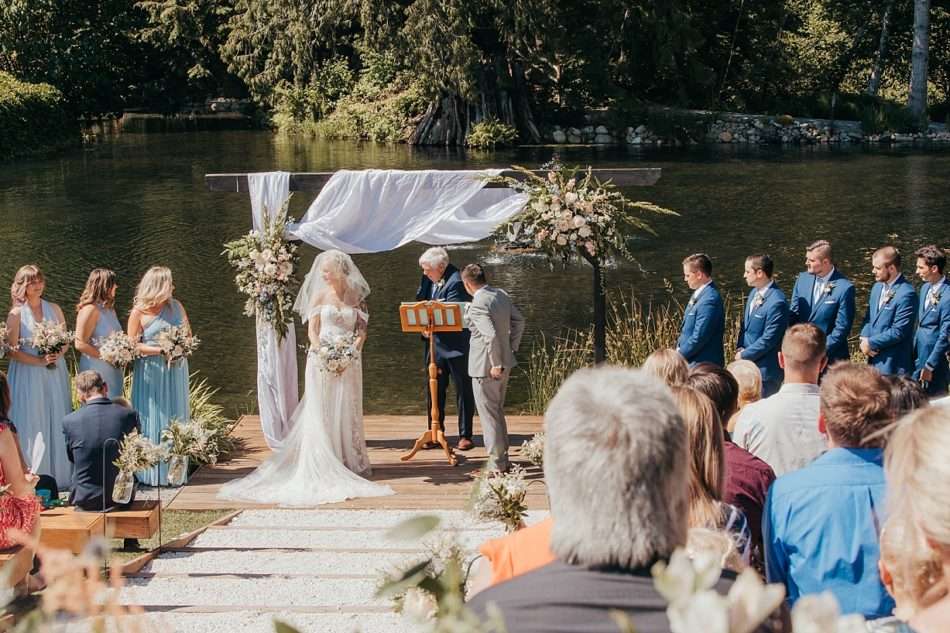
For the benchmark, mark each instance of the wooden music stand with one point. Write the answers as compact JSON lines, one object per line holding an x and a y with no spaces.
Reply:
{"x":431,"y":317}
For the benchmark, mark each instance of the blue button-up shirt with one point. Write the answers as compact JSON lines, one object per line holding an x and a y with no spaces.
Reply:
{"x":820,"y":527}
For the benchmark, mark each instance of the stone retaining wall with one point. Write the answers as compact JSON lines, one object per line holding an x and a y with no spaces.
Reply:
{"x":735,"y":129}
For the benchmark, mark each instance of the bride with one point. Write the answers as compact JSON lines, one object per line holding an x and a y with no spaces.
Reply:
{"x":319,"y":459}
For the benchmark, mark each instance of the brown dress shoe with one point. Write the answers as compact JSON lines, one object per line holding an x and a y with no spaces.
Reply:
{"x":465,"y":444}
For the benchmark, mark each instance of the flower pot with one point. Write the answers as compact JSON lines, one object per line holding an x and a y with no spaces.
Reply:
{"x":177,"y":470}
{"x":122,"y":491}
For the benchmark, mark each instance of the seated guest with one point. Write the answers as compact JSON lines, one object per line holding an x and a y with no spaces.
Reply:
{"x":782,"y":430}
{"x":19,"y":506}
{"x":87,"y":429}
{"x":667,"y":365}
{"x":707,"y":472}
{"x":747,"y":477}
{"x":513,"y":554}
{"x":749,"y":378}
{"x":703,"y":541}
{"x":918,"y":485}
{"x":821,"y":521}
{"x":617,"y":508}
{"x":906,"y":395}
{"x":911,"y":572}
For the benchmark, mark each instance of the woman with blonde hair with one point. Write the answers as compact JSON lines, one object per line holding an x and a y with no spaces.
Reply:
{"x":95,"y":320}
{"x":749,"y":377}
{"x":668,"y":365}
{"x":159,"y":390}
{"x":917,"y":467}
{"x":39,"y":385}
{"x":707,"y":471}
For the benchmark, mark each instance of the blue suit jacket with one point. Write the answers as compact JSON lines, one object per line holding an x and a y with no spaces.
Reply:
{"x":447,"y":344}
{"x":703,"y":325}
{"x":760,"y":336}
{"x":890,"y":329}
{"x":833,"y":313}
{"x":933,"y":335}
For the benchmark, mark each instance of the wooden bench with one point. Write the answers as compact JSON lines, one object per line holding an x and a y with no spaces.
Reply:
{"x":63,"y":528}
{"x":15,"y":565}
{"x":139,"y":521}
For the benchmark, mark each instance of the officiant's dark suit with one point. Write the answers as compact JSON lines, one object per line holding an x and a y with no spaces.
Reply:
{"x":451,"y":352}
{"x":86,"y":430}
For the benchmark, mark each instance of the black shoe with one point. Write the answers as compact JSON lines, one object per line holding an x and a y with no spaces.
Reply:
{"x":131,"y":545}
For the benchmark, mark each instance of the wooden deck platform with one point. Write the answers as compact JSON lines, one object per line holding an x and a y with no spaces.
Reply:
{"x":425,"y":482}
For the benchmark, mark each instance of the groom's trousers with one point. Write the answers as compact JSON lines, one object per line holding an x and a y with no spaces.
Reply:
{"x":490,"y":401}
{"x":457,"y":369}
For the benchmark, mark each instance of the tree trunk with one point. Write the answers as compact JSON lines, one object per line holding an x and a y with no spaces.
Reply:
{"x":917,"y":101}
{"x":874,"y":84}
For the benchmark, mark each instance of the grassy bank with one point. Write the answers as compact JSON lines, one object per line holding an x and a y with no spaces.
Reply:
{"x":175,"y":523}
{"x":33,"y":119}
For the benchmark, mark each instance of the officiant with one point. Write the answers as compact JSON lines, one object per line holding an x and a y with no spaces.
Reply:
{"x":441,"y":281}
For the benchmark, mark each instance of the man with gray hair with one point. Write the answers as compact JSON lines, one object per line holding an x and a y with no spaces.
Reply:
{"x":615,"y":461}
{"x":441,"y":281}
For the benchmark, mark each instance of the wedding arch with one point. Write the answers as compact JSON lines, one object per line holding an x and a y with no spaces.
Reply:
{"x":373,"y":210}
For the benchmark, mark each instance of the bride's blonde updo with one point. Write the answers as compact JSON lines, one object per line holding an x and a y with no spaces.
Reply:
{"x":154,"y":289}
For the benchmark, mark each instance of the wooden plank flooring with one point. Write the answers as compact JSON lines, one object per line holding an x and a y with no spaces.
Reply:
{"x":426,"y":482}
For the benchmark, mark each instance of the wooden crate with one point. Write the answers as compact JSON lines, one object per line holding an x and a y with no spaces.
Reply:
{"x":139,"y":521}
{"x":63,"y":528}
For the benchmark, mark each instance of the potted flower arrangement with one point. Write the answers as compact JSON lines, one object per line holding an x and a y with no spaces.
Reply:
{"x":136,"y":452}
{"x":186,"y":441}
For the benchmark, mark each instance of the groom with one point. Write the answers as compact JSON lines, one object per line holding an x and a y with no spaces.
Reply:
{"x":496,"y":326}
{"x":441,"y":282}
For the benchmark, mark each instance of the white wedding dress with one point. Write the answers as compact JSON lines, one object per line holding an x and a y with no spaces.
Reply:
{"x":319,"y":459}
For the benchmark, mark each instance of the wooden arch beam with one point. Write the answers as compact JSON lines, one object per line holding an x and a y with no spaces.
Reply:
{"x":314,"y":181}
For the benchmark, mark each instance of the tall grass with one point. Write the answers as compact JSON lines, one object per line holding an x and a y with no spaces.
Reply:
{"x":634,"y":331}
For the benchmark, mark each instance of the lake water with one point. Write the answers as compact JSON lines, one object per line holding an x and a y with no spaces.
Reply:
{"x":140,"y":200}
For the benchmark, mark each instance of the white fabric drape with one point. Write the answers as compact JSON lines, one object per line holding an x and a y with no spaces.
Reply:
{"x":276,"y":362}
{"x":379,"y":210}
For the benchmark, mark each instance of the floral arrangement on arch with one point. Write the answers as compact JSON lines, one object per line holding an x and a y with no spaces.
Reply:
{"x":265,"y":263}
{"x":570,"y":213}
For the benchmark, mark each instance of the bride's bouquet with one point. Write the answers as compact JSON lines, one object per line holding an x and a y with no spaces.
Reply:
{"x":50,"y":337}
{"x":176,"y":343}
{"x":117,"y":349}
{"x":336,"y":355}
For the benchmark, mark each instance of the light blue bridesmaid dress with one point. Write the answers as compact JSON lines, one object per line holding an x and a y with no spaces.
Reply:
{"x":107,"y":323}
{"x":159,"y":392}
{"x":41,"y":400}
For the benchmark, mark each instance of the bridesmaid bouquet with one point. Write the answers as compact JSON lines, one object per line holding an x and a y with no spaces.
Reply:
{"x":4,"y":340}
{"x":176,"y":343}
{"x":336,"y":355}
{"x":50,"y":337}
{"x":117,"y":349}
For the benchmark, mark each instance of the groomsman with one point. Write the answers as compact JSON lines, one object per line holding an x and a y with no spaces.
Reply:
{"x":825,"y":297}
{"x":704,"y":320}
{"x":496,"y":326}
{"x":764,"y":322}
{"x":933,"y":322}
{"x":441,"y":281}
{"x":887,"y":334}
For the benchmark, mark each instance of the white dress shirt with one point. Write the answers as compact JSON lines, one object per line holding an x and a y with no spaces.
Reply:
{"x":782,"y":430}
{"x":699,"y":291}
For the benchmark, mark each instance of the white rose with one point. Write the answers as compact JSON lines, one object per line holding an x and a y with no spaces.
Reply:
{"x":561,"y":240}
{"x":570,"y":198}
{"x":270,"y":270}
{"x":579,"y":221}
{"x":584,"y":231}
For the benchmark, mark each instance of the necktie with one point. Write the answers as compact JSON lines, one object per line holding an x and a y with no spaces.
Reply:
{"x":819,"y":289}
{"x":883,"y":298}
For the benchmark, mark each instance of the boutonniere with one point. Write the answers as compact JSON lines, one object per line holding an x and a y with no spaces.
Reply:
{"x":440,"y":283}
{"x":890,"y":294}
{"x":758,"y":301}
{"x":829,"y":288}
{"x":691,"y":303}
{"x":935,"y":298}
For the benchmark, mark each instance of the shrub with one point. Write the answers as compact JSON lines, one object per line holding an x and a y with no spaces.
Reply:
{"x":33,"y":119}
{"x":490,"y":133}
{"x":389,"y":116}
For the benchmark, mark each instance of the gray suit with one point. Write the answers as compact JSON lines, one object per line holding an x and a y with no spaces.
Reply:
{"x":496,"y":326}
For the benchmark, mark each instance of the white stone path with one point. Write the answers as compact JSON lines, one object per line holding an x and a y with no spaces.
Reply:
{"x":315,"y":569}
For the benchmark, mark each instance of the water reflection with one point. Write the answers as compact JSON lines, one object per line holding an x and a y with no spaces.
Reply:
{"x":140,"y":201}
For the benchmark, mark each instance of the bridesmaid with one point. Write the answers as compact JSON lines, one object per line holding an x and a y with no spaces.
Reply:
{"x":95,"y":320}
{"x":159,"y":392}
{"x":41,"y":397}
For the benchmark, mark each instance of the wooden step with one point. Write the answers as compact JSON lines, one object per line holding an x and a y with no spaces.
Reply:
{"x":63,"y":528}
{"x":15,"y":564}
{"x":139,"y":521}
